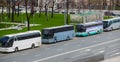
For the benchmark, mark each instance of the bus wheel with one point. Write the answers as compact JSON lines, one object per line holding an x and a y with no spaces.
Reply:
{"x":55,"y":40}
{"x":111,"y":28}
{"x":32,"y":46}
{"x":68,"y":38}
{"x":16,"y":49}
{"x":88,"y":34}
{"x":98,"y":31}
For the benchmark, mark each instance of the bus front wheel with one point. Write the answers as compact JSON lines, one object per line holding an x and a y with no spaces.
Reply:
{"x":111,"y":28}
{"x":32,"y":46}
{"x":55,"y":39}
{"x":68,"y":38}
{"x":16,"y":49}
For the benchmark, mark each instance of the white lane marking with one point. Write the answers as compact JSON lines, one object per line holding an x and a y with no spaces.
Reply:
{"x":14,"y":61}
{"x":107,"y":42}
{"x":88,"y":50}
{"x":115,"y":54}
{"x":101,"y":51}
{"x":113,"y":51}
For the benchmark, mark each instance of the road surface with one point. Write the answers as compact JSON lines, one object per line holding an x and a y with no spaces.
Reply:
{"x":69,"y":51}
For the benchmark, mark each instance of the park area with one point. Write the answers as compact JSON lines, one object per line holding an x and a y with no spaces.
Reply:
{"x":38,"y":23}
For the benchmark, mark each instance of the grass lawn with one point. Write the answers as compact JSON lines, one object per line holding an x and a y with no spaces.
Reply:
{"x":5,"y":25}
{"x":56,"y":21}
{"x":107,"y":17}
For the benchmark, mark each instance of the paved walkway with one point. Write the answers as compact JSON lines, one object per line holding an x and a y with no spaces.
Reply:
{"x":10,"y":23}
{"x":18,"y":27}
{"x":115,"y":59}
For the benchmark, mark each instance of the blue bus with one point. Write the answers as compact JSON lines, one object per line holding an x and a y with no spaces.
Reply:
{"x":56,"y":34}
{"x":89,"y":28}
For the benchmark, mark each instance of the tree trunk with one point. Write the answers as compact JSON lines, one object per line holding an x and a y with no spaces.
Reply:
{"x":18,"y":10}
{"x":27,"y":16}
{"x":8,"y":9}
{"x":52,"y":15}
{"x":2,"y":13}
{"x":46,"y":11}
{"x":13,"y":9}
{"x":67,"y":4}
{"x":53,"y":9}
{"x":40,"y":11}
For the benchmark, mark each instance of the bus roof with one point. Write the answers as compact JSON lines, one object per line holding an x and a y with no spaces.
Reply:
{"x":112,"y":19}
{"x":10,"y":35}
{"x":90,"y":23}
{"x":58,"y":27}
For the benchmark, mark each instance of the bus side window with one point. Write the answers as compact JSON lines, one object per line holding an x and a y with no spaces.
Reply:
{"x":11,"y":42}
{"x":15,"y":39}
{"x":110,"y":23}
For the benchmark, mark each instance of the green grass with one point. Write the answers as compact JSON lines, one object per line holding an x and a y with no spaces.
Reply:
{"x":56,"y":21}
{"x":107,"y":17}
{"x":4,"y":25}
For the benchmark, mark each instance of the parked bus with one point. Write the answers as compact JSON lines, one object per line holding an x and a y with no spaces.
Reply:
{"x":55,"y":34}
{"x":111,"y":24}
{"x":15,"y":42}
{"x":89,"y":28}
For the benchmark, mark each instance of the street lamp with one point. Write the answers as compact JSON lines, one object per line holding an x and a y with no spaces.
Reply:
{"x":66,"y":12}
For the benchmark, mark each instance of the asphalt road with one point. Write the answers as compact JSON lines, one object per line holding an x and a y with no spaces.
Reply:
{"x":69,"y":51}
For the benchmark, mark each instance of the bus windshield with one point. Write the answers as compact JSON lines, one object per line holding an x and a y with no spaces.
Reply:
{"x":105,"y":24}
{"x":45,"y":36}
{"x":3,"y":41}
{"x":81,"y":28}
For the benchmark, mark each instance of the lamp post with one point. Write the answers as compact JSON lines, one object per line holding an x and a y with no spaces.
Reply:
{"x":66,"y":11}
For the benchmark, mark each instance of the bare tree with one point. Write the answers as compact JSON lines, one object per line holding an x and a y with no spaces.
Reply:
{"x":53,"y":3}
{"x":40,"y":5}
{"x":27,"y":14}
{"x":8,"y":8}
{"x":79,"y":5}
{"x":18,"y":5}
{"x":46,"y":6}
{"x":13,"y":9}
{"x":2,"y":4}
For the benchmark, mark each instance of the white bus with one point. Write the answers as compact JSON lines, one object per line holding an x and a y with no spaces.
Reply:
{"x":15,"y":42}
{"x":111,"y":24}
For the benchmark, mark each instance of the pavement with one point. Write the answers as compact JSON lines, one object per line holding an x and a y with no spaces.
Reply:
{"x":17,"y":26}
{"x":70,"y":51}
{"x":114,"y":59}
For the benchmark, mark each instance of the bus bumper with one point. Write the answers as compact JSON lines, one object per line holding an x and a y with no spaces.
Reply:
{"x":105,"y":30}
{"x":45,"y":41}
{"x":6,"y":50}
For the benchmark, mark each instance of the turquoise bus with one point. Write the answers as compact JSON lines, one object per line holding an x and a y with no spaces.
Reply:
{"x":56,"y":34}
{"x":89,"y":28}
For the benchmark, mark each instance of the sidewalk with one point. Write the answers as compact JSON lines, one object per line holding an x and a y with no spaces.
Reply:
{"x":19,"y":26}
{"x":115,"y":59}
